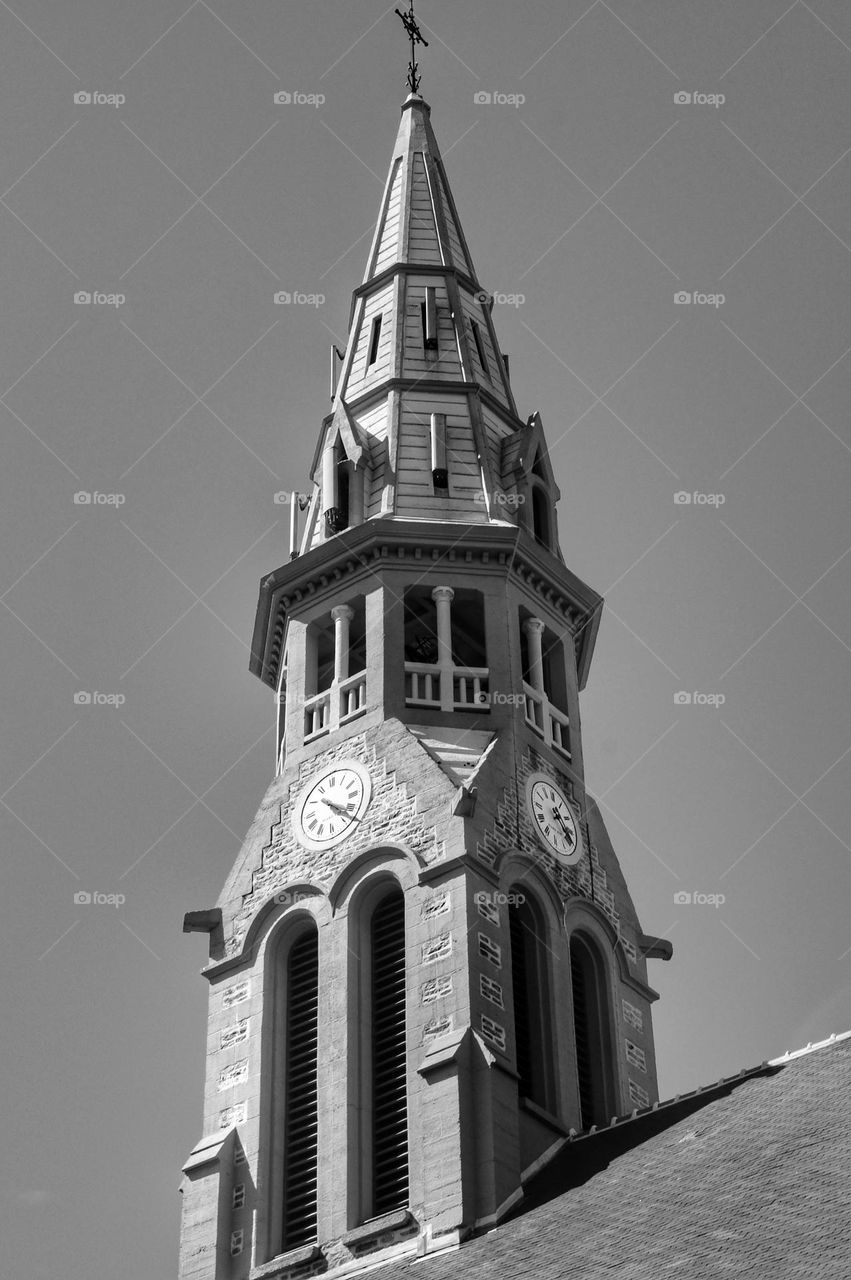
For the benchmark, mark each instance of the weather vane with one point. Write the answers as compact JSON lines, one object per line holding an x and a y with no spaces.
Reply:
{"x":410,"y":24}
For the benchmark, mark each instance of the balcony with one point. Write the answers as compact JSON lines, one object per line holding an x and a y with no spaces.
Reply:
{"x":547,"y":721}
{"x":344,"y":701}
{"x":448,"y":688}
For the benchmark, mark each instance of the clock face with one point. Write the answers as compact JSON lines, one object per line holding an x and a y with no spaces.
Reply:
{"x":553,"y":820}
{"x":332,"y":806}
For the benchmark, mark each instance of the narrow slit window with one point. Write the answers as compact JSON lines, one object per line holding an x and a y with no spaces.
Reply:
{"x":480,"y":347}
{"x":532,"y":1032}
{"x":374,"y":339}
{"x":590,"y":1017}
{"x":301,"y":1149}
{"x":429,"y":314}
{"x":389,"y":1057}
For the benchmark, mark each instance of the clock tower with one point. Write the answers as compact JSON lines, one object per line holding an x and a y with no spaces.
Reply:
{"x":425,"y":967}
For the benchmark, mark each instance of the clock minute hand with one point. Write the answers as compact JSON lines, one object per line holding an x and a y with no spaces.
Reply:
{"x":571,"y":838}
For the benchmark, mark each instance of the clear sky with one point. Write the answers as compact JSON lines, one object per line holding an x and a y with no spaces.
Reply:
{"x":588,"y":206}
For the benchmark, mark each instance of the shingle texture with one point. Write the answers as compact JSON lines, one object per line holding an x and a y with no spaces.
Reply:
{"x":748,"y":1178}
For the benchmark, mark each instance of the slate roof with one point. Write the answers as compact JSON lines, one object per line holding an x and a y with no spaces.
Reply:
{"x":749,"y":1177}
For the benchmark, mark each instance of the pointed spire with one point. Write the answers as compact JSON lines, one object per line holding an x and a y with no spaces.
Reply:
{"x":423,"y":409}
{"x":418,"y":221}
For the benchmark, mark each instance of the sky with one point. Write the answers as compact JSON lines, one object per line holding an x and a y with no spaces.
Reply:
{"x":605,"y":157}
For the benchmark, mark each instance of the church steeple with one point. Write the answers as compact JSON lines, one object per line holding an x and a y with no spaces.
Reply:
{"x":423,"y":405}
{"x":425,"y":966}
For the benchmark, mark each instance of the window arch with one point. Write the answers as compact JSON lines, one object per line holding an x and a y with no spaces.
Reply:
{"x":592,"y":1031}
{"x":530,"y":979}
{"x":388,"y":1083}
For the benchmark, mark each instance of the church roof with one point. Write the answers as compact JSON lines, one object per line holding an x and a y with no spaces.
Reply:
{"x":747,"y":1177}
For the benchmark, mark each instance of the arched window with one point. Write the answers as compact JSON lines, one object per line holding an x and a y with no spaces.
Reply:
{"x":300,"y":1149}
{"x":389,"y":1059}
{"x":531,"y":991}
{"x":591,"y":1027}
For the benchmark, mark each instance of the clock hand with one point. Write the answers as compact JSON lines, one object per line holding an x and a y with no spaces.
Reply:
{"x":337,"y":808}
{"x":571,"y":839}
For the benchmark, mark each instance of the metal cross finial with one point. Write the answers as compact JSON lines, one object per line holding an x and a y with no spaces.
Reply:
{"x":410,"y":24}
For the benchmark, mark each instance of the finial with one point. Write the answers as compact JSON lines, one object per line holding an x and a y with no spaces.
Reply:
{"x":416,"y":36}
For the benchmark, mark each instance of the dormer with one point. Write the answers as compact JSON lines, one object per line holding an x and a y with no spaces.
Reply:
{"x":526,"y":471}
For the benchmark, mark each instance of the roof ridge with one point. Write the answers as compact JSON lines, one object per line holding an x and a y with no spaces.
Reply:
{"x":809,"y":1048}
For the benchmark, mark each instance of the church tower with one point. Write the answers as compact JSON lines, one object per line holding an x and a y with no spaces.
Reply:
{"x":425,"y":967}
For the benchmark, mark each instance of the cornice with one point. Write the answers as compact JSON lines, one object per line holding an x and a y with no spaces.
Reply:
{"x":387,"y":542}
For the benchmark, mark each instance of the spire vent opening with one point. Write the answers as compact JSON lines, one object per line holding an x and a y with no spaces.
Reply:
{"x":480,"y":348}
{"x":439,"y":465}
{"x":429,"y":316}
{"x":374,"y":339}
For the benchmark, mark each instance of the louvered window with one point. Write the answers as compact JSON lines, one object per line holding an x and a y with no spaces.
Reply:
{"x":300,"y":1101}
{"x":530,"y":988}
{"x":589,"y":1029}
{"x":389,"y":1057}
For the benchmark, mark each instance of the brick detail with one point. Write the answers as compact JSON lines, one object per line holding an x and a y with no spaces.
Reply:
{"x":491,"y":990}
{"x":629,"y":950}
{"x":493,"y":1032}
{"x":232,"y":1075}
{"x":487,"y":910}
{"x":232,"y":1115}
{"x":635,"y":1056}
{"x":490,"y":950}
{"x":632,"y":1015}
{"x":437,"y":905}
{"x":236,"y":994}
{"x":440,"y":1027}
{"x":437,"y":948}
{"x":237,"y":1034}
{"x":639,"y":1096}
{"x":435,"y":989}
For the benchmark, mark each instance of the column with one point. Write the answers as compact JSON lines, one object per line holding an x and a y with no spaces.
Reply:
{"x":342,"y":616}
{"x":534,"y":629}
{"x":443,"y":597}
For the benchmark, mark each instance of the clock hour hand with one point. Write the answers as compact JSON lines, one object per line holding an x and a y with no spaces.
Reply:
{"x":338,"y":808}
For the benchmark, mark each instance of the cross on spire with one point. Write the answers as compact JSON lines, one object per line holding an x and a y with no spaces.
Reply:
{"x":416,"y":37}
